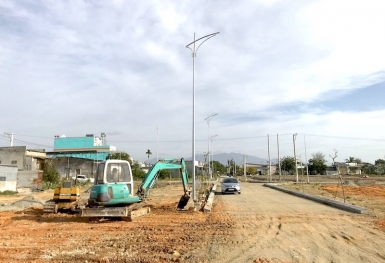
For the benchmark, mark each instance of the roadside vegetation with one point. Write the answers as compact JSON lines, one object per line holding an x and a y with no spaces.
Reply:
{"x":317,"y":164}
{"x":51,"y":177}
{"x":8,"y":192}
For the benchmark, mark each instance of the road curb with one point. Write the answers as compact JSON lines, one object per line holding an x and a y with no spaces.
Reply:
{"x":210,"y":200}
{"x":322,"y":200}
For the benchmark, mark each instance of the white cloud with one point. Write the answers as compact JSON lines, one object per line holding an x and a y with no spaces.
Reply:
{"x":123,"y":66}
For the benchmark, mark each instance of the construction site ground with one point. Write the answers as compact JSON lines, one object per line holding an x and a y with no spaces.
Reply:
{"x":259,"y":225}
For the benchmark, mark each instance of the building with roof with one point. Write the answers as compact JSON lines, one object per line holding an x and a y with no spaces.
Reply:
{"x":80,"y":155}
{"x":28,"y":164}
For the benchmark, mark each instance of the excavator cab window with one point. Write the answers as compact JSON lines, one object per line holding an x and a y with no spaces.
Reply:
{"x":100,"y":174}
{"x":118,"y":173}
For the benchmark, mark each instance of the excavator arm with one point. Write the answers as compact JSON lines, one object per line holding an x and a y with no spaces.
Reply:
{"x":152,"y":176}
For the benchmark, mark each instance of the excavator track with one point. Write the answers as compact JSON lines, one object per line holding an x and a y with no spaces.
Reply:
{"x":50,"y":207}
{"x":136,"y":206}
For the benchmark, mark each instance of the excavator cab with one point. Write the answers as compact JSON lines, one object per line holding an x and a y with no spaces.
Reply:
{"x":113,"y":171}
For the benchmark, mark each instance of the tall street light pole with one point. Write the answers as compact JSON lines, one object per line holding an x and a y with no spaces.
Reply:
{"x":307,"y":165}
{"x":194,"y":52}
{"x":295,"y":158}
{"x":212,"y":155}
{"x":208,"y":119}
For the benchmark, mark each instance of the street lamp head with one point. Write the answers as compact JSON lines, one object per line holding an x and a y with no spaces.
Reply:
{"x":207,"y":37}
{"x":210,"y":117}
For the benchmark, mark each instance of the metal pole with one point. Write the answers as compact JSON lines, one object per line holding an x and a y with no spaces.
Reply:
{"x":295,"y":158}
{"x":307,"y":165}
{"x":10,"y":135}
{"x":279,"y":160}
{"x":208,"y":119}
{"x":208,"y":149}
{"x":212,"y":157}
{"x":193,"y":126}
{"x":244,"y":167}
{"x":194,"y":50}
{"x":212,"y":151}
{"x":268,"y":152}
{"x":157,"y":131}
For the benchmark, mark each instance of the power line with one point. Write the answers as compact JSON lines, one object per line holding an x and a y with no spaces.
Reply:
{"x":342,"y":137}
{"x":33,"y":136}
{"x":223,"y":139}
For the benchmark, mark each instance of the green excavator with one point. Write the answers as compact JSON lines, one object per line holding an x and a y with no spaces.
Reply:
{"x":113,"y":196}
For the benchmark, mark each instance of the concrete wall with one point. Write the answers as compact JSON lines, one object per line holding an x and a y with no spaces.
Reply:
{"x":8,"y":178}
{"x":198,"y":167}
{"x":30,"y":179}
{"x":86,"y":167}
{"x":10,"y":155}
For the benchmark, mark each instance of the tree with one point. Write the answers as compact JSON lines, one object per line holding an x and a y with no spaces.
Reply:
{"x":219,"y":167}
{"x":231,"y":166}
{"x":379,"y":166}
{"x":163,"y":174}
{"x":137,"y":173}
{"x":319,"y":156}
{"x":148,"y":154}
{"x":288,"y":164}
{"x":335,"y":155}
{"x":120,"y":156}
{"x":317,"y":164}
{"x":353,"y":160}
{"x":368,"y":168}
{"x":251,"y":170}
{"x":51,"y":177}
{"x":379,"y":162}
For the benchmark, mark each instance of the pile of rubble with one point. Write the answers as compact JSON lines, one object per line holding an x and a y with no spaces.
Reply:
{"x":26,"y":202}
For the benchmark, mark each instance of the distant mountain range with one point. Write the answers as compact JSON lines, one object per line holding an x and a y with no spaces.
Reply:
{"x":224,"y":157}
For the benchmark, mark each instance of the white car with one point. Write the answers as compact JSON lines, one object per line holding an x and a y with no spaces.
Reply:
{"x":230,"y":185}
{"x":83,"y":179}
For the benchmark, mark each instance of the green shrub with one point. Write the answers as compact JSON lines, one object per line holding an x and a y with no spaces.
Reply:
{"x":50,"y":185}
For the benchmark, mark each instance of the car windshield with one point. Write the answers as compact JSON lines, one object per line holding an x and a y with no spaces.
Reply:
{"x":230,"y":180}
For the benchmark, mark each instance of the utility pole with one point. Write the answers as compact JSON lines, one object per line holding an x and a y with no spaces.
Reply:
{"x":295,"y":158}
{"x":244,"y":167}
{"x":10,"y":135}
{"x":279,"y":160}
{"x":307,"y":165}
{"x":157,"y":131}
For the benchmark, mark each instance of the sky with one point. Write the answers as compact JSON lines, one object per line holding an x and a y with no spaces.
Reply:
{"x":279,"y":73}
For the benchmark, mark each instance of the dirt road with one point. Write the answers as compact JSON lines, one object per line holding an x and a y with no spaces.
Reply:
{"x":284,"y":228}
{"x":260,"y":225}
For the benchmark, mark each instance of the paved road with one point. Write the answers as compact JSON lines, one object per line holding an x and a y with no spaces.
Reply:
{"x":273,"y":225}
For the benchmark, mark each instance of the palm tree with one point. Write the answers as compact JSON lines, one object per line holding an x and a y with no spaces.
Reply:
{"x":148,"y":154}
{"x":350,"y":160}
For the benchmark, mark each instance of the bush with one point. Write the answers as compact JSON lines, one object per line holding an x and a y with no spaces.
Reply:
{"x":51,"y":177}
{"x":49,"y":185}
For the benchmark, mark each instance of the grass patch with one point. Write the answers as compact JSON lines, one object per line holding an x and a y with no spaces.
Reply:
{"x":8,"y":192}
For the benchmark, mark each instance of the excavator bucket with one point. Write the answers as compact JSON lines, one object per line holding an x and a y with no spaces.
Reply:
{"x":183,"y":201}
